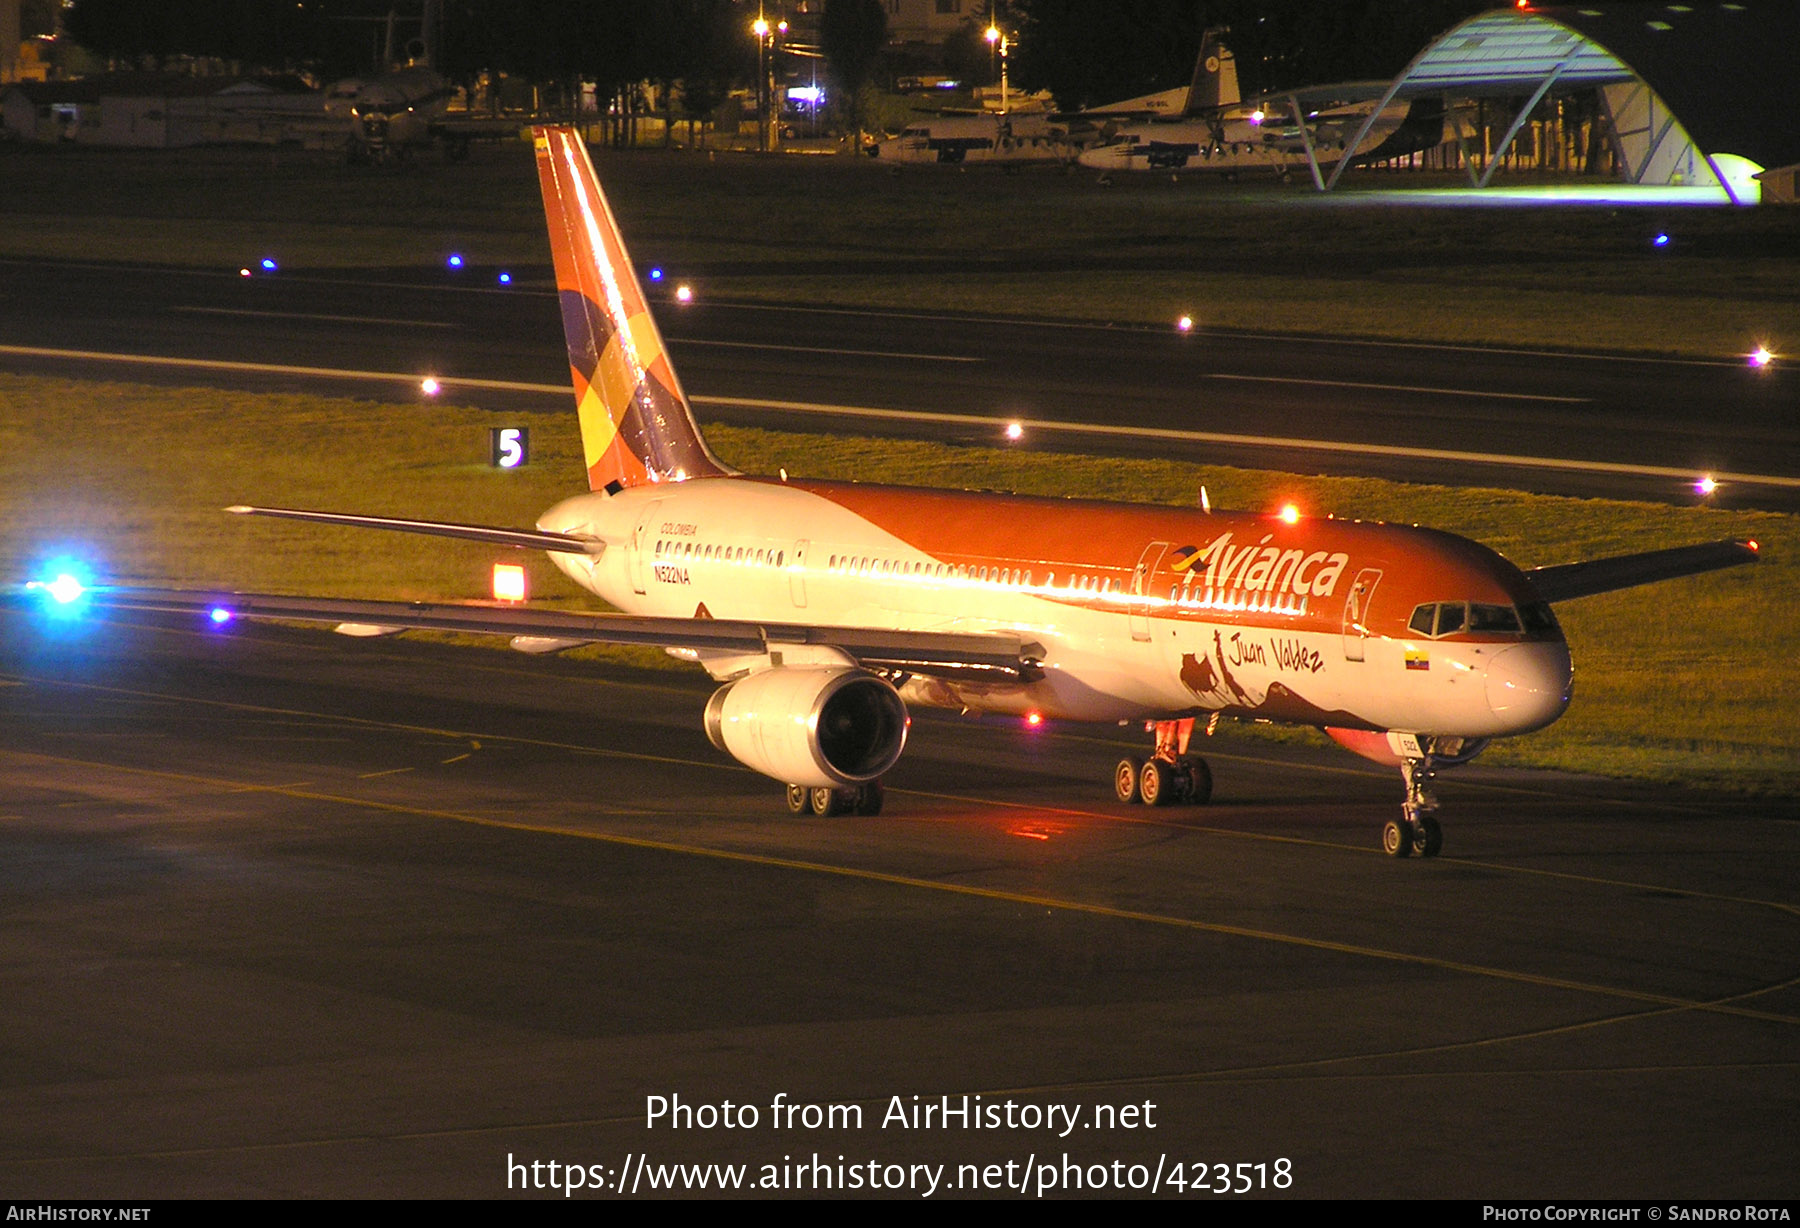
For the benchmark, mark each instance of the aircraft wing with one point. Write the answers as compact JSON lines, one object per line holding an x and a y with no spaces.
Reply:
{"x":929,"y":652}
{"x":523,"y":539}
{"x":1570,"y":580}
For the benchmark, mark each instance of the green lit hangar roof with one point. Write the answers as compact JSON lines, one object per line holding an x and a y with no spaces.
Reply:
{"x":1726,"y":74}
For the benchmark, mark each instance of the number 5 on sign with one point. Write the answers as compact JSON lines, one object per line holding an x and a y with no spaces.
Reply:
{"x":508,"y":446}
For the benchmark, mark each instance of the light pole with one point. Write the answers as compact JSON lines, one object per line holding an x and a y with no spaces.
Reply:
{"x":760,"y":27}
{"x":766,"y":34}
{"x":997,"y":40}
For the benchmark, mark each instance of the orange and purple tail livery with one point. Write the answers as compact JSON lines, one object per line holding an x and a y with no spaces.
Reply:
{"x":636,"y":426}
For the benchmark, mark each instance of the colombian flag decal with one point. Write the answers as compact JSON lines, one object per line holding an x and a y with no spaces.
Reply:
{"x":1416,"y":659}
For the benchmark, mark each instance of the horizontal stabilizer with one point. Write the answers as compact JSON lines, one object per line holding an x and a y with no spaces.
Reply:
{"x":522,"y":539}
{"x":1571,"y":580}
{"x":366,"y":631}
{"x":538,"y":644}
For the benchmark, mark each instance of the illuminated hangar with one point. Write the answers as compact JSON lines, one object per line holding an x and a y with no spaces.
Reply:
{"x":1697,"y":94}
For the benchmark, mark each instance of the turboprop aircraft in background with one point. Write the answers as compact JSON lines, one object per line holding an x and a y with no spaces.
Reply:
{"x":823,"y":608}
{"x":1217,"y":130}
{"x":1034,"y":135}
{"x":955,"y":138}
{"x":1214,"y":86}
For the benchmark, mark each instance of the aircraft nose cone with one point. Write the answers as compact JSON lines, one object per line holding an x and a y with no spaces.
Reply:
{"x":1528,"y":686}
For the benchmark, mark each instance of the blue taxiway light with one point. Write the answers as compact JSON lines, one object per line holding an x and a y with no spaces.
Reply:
{"x":656,"y":273}
{"x":269,"y":265}
{"x":505,"y":279}
{"x":455,"y":261}
{"x":65,"y":589}
{"x":219,"y":615}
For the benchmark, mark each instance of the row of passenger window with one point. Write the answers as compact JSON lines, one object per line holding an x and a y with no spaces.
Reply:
{"x":1442,"y":618}
{"x":753,"y":555}
{"x":1198,"y":598}
{"x":1006,"y":577}
{"x":1193,"y":598}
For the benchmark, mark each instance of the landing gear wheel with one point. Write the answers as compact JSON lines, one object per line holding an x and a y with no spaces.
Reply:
{"x":1397,"y":839}
{"x":827,"y":801}
{"x":1156,"y":783}
{"x":798,"y":799}
{"x":1125,"y":779}
{"x":1198,"y":787}
{"x":868,"y":798}
{"x":1428,"y":836}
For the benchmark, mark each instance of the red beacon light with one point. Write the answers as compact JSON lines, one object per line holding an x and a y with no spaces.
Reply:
{"x":1289,"y":513}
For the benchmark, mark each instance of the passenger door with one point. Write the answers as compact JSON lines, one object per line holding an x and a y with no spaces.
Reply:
{"x":1356,"y":612}
{"x":641,"y":537}
{"x":1139,"y":606}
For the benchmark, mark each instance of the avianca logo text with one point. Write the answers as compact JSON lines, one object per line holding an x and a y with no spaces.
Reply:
{"x":1263,"y":568}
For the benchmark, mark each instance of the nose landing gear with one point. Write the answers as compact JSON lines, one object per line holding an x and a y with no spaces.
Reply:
{"x":1415,"y":830}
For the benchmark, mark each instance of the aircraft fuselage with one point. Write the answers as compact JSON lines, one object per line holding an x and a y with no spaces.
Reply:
{"x":1142,"y":612}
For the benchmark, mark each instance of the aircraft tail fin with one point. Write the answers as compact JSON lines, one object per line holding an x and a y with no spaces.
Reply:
{"x":1215,"y":82}
{"x":636,"y":425}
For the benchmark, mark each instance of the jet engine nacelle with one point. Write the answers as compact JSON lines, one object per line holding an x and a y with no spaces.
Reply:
{"x":810,"y":725}
{"x":1390,"y":749}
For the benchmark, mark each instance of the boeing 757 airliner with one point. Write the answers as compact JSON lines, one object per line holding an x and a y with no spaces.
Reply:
{"x":824,"y":608}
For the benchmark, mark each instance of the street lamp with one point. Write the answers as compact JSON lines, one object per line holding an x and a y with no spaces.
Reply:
{"x":766,"y":34}
{"x":760,"y":28}
{"x":997,"y":41}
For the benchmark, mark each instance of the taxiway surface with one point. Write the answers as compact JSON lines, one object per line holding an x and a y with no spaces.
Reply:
{"x":1599,"y":424}
{"x":287,"y":914}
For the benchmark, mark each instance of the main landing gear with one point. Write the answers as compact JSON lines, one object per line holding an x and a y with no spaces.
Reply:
{"x":1415,"y":829}
{"x":1168,"y":777}
{"x":1163,"y":782}
{"x":826,"y":802}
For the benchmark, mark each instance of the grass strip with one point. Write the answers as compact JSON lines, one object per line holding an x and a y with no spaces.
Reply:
{"x":1042,"y":243}
{"x":1690,"y":681}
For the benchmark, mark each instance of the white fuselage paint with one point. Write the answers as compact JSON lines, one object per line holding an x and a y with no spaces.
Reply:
{"x":1017,"y":137}
{"x":756,"y":550}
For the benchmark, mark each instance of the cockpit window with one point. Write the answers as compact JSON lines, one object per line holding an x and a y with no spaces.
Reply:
{"x":1440,"y":618}
{"x":1538,"y":617}
{"x":1493,"y":618}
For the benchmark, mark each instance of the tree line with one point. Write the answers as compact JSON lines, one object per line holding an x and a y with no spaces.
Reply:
{"x":1084,"y":52}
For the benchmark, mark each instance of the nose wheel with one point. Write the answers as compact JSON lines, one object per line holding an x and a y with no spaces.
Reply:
{"x":1415,"y":831}
{"x":1401,"y":838}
